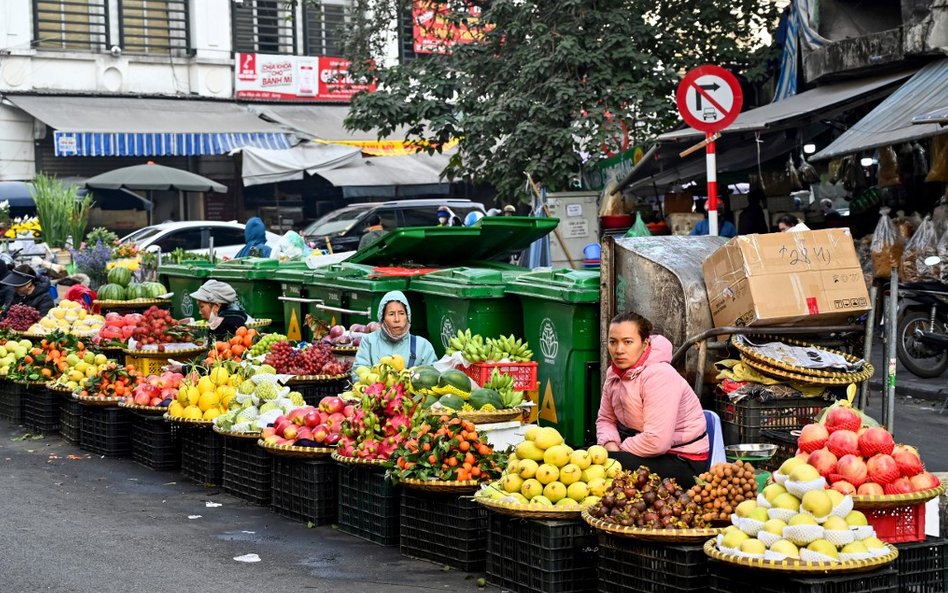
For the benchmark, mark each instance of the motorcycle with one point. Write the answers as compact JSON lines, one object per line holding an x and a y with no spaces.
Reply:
{"x":922,"y":334}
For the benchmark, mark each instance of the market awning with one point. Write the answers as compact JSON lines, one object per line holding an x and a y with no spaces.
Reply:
{"x":758,"y":135}
{"x":891,"y":122}
{"x":381,"y":176}
{"x":259,"y":165}
{"x":324,"y":123}
{"x":123,"y":126}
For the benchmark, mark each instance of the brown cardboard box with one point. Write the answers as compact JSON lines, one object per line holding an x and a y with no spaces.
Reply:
{"x":807,"y":278}
{"x":674,"y":203}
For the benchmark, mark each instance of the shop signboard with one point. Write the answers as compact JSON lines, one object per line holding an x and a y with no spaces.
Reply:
{"x":433,"y":29}
{"x":295,"y":78}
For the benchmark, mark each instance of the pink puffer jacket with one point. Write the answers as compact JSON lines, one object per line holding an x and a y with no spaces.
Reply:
{"x":655,"y":400}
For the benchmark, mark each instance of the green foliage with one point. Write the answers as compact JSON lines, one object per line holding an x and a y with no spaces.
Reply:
{"x":60,"y":211}
{"x":104,"y":235}
{"x":549,"y":80}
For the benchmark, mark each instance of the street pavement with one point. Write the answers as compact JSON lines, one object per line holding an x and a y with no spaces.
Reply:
{"x":77,"y":523}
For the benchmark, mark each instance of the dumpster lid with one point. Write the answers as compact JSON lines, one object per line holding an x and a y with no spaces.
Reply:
{"x":571,"y":286}
{"x":445,"y":246}
{"x":200,"y":268}
{"x":253,"y":268}
{"x":465,"y":282}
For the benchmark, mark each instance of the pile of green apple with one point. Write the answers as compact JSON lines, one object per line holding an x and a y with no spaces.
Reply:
{"x":12,"y":352}
{"x":544,"y":471}
{"x":819,"y":526}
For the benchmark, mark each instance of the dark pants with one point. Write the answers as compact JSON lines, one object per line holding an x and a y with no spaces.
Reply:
{"x":667,"y":466}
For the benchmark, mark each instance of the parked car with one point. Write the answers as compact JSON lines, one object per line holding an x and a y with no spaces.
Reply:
{"x":345,"y":227}
{"x":195,"y":235}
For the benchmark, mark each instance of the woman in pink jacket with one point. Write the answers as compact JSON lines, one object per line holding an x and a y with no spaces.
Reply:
{"x":649,"y":415}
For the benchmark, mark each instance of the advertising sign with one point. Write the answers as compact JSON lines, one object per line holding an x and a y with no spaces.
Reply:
{"x":433,"y":31}
{"x":294,"y":78}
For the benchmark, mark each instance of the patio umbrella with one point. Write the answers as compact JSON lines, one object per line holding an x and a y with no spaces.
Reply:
{"x":152,"y":176}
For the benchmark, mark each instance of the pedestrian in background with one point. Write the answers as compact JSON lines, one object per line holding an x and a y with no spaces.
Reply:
{"x":752,"y":219}
{"x":447,"y":217}
{"x":255,"y":234}
{"x":725,"y":228}
{"x":373,"y":232}
{"x":510,"y":210}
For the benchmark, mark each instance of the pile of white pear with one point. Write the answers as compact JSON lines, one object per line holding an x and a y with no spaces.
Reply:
{"x":797,"y":519}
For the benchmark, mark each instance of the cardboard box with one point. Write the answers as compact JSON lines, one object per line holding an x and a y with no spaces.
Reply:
{"x":808,"y":278}
{"x":674,"y":203}
{"x":681,"y":223}
{"x":118,"y":220}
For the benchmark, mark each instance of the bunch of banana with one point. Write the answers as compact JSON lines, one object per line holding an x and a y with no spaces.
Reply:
{"x":503,"y":384}
{"x":472,"y":346}
{"x":511,"y":348}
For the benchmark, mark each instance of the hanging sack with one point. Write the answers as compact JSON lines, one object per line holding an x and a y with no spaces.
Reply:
{"x":923,"y":244}
{"x":939,"y":170}
{"x":888,"y":167}
{"x":887,"y":246}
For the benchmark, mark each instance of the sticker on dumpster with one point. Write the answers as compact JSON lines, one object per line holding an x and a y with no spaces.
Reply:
{"x":549,"y":342}
{"x":548,"y":405}
{"x":447,"y":330}
{"x":293,"y":330}
{"x":187,"y":306}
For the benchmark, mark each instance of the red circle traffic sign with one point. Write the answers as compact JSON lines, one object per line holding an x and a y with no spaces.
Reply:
{"x":709,"y":98}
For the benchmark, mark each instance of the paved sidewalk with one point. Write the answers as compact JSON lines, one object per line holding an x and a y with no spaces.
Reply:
{"x":906,"y":383}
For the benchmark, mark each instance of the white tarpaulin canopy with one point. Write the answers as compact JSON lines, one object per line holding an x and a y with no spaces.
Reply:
{"x":414,"y":169}
{"x":262,"y":165}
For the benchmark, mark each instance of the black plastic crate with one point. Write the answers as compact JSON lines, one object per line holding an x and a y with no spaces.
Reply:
{"x":41,"y":409}
{"x":368,"y":505}
{"x":202,"y":454}
{"x":70,"y":418}
{"x":786,"y":448}
{"x":304,"y":490}
{"x":743,"y":421}
{"x":923,"y":566}
{"x":314,"y":391}
{"x":627,"y":565}
{"x":11,"y":402}
{"x":155,"y":442}
{"x":247,"y":470}
{"x":527,"y":556}
{"x":445,"y":528}
{"x":725,"y":578}
{"x":106,"y":431}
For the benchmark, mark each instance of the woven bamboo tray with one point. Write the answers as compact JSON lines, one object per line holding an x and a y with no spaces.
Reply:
{"x":166,"y":353}
{"x":364,"y":462}
{"x":190,"y":421}
{"x":132,"y":304}
{"x":479,"y":417}
{"x":91,"y":400}
{"x":294,"y":451}
{"x":838,"y":379}
{"x":345,"y":349}
{"x":891,"y":501}
{"x":667,"y":536}
{"x":440,"y":486}
{"x":29,"y":383}
{"x":236,"y":435}
{"x":255,"y":324}
{"x":800,"y":567}
{"x":315,"y":378}
{"x":780,"y":365}
{"x":143,"y":409}
{"x":58,"y":388}
{"x":530,"y":511}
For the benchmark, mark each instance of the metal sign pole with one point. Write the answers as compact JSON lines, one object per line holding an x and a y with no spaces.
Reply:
{"x":888,"y":405}
{"x":712,"y":204}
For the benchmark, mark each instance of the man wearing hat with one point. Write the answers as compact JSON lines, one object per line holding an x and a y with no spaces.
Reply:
{"x":447,"y":217}
{"x":510,"y":210}
{"x":23,"y":286}
{"x":217,"y":303}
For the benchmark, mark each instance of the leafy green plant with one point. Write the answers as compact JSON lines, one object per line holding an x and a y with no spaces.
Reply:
{"x":60,"y":211}
{"x":103,"y":235}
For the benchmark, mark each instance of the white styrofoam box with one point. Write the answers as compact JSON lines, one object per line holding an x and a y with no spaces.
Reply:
{"x":502,"y":435}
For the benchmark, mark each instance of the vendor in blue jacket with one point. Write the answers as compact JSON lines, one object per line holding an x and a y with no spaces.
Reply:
{"x":394,"y":337}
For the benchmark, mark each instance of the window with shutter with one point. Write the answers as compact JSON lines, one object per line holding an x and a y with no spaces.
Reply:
{"x":76,"y":25}
{"x":264,"y":26}
{"x":154,"y":26}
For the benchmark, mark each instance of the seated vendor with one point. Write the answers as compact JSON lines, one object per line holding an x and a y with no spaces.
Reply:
{"x":217,"y":304}
{"x":649,"y":415}
{"x":394,"y":337}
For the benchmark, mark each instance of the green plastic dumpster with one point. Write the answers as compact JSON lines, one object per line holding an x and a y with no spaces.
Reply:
{"x":362,"y":291}
{"x":468,"y":298}
{"x":182,"y":279}
{"x":258,"y":291}
{"x":296,"y":285}
{"x":561,"y":323}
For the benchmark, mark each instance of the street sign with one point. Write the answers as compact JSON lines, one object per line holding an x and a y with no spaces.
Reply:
{"x":709,"y":98}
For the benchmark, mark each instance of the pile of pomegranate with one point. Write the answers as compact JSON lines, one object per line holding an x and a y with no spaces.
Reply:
{"x":860,"y":460}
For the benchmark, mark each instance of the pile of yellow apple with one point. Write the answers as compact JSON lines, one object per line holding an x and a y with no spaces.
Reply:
{"x":205,"y":397}
{"x":79,"y":367}
{"x":12,"y":352}
{"x":69,"y":317}
{"x":799,"y":519}
{"x":544,"y":471}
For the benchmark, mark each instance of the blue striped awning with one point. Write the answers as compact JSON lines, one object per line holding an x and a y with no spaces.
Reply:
{"x":158,"y":144}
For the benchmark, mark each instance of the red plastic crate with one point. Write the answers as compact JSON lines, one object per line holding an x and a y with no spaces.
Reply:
{"x":524,"y":373}
{"x":898,"y":525}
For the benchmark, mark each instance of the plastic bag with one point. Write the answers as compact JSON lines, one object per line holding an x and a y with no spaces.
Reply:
{"x":939,"y":170}
{"x":940,"y":216}
{"x":942,"y":251}
{"x":867,"y":421}
{"x":612,"y":203}
{"x":887,"y":246}
{"x":292,"y":246}
{"x":793,"y":174}
{"x":923,"y":244}
{"x":808,"y":173}
{"x":638,"y":229}
{"x":888,"y":167}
